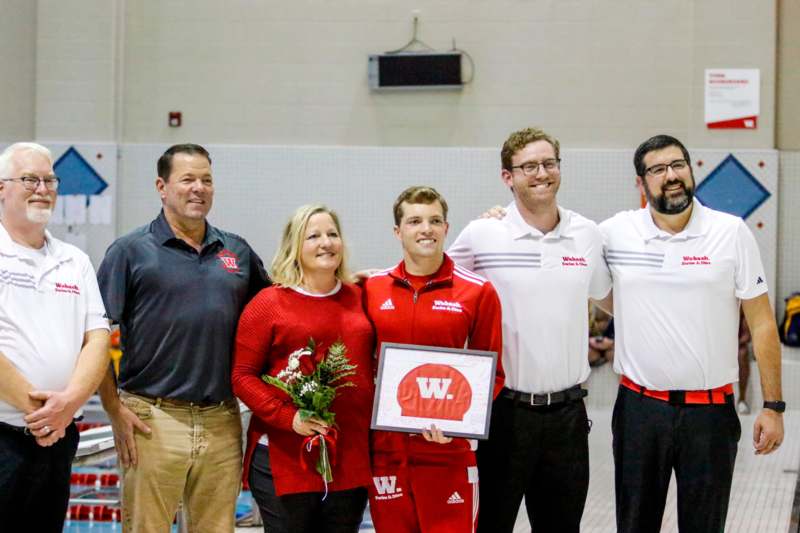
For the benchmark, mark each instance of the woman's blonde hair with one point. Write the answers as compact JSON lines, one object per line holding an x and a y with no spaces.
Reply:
{"x":286,"y":269}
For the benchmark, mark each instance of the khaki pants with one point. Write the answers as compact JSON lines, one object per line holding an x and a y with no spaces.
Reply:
{"x":194,"y":455}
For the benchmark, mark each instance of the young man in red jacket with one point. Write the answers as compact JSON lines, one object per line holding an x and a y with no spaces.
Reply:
{"x":428,"y":482}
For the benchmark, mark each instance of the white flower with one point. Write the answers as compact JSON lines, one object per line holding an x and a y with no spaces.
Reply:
{"x":300,"y":352}
{"x":294,"y":362}
{"x":309,"y":386}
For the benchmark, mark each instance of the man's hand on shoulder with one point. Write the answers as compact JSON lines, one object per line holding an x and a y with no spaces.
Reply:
{"x":362,"y":275}
{"x":497,"y":212}
{"x":767,"y":432}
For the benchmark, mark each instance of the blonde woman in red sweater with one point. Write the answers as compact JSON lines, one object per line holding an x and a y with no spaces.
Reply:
{"x":312,"y":298}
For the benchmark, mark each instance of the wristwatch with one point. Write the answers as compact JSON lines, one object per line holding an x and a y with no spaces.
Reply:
{"x":778,"y":406}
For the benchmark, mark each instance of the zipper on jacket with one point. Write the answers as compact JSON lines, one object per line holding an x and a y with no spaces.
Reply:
{"x":416,"y":292}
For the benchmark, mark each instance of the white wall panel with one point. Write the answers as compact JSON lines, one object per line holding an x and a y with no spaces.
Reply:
{"x":598,"y":73}
{"x":18,"y":58}
{"x":257,"y":188}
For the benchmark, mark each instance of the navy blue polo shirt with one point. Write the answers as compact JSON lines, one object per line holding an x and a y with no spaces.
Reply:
{"x":178,"y":309}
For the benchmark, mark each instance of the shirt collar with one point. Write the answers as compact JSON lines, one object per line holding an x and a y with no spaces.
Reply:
{"x":163,"y":232}
{"x":333,"y":291}
{"x":521,"y":229}
{"x":6,"y":243}
{"x":444,"y":274}
{"x":696,"y":227}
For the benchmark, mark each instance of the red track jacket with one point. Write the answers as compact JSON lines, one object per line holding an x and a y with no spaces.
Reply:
{"x":455,"y":309}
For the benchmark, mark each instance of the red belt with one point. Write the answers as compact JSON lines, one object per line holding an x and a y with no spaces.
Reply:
{"x":711,"y":396}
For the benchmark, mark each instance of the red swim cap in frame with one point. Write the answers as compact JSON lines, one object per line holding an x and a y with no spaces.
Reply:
{"x":434,"y":391}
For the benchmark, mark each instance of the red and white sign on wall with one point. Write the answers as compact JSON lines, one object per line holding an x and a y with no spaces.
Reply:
{"x":732,"y":98}
{"x":422,"y":385}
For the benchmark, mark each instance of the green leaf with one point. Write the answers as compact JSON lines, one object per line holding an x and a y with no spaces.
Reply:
{"x":305,"y":414}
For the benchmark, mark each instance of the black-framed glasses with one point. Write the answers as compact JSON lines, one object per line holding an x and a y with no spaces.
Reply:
{"x":531,"y":168}
{"x":32,"y":182}
{"x":660,"y":170}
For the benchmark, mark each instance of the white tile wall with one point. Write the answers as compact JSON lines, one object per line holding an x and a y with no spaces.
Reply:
{"x":787,"y":119}
{"x":294,"y":73}
{"x":362,"y":182}
{"x":76,"y":70}
{"x":18,"y":60}
{"x":789,"y":243}
{"x":599,"y":74}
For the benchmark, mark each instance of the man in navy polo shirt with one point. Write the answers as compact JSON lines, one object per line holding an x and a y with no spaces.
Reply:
{"x":176,"y":287}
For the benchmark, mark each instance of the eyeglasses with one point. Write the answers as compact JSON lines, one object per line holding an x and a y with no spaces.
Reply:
{"x":32,"y":182}
{"x":660,"y":170}
{"x":531,"y":168}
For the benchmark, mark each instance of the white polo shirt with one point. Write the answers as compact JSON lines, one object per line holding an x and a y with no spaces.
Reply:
{"x":47,"y":303}
{"x":544,"y":282}
{"x":676,"y":297}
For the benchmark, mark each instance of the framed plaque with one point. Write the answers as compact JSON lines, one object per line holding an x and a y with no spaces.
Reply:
{"x":422,"y":385}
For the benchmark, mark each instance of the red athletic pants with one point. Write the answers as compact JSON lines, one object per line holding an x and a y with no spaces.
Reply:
{"x":430,"y":493}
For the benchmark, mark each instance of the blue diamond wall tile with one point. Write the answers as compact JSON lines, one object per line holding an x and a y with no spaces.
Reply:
{"x":77,"y":175}
{"x":732,"y":188}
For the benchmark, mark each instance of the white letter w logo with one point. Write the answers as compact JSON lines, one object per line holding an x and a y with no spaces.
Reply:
{"x":434,"y":387}
{"x":385,"y":484}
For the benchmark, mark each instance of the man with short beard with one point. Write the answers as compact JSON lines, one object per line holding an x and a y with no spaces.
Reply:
{"x":53,"y":346}
{"x":680,"y":273}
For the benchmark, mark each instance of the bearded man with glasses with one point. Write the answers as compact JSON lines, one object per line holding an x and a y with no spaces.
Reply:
{"x":681,"y":271}
{"x":53,"y":346}
{"x":545,"y":262}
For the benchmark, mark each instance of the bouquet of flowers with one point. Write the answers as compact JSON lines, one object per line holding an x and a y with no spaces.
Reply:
{"x":312,"y":385}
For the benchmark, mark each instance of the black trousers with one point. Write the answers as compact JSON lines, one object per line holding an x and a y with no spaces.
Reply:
{"x":541,"y":453}
{"x":34,"y":481}
{"x":341,"y":512}
{"x":651,"y":439}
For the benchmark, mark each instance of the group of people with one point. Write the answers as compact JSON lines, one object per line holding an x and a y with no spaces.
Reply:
{"x":201,"y":322}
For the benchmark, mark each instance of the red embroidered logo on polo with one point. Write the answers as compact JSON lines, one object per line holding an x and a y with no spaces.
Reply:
{"x":68,"y":288}
{"x":230,"y":261}
{"x":571,"y":261}
{"x":695,"y":260}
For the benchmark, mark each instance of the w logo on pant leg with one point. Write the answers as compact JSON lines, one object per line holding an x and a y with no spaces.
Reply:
{"x":386,"y":487}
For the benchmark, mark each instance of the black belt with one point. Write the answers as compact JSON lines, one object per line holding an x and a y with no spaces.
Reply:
{"x":17,"y":429}
{"x":551,"y":398}
{"x":24,"y":429}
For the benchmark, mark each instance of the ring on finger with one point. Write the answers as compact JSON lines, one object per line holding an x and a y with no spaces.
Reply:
{"x":47,"y":430}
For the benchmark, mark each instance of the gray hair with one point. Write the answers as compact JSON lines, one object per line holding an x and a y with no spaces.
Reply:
{"x":8,"y":154}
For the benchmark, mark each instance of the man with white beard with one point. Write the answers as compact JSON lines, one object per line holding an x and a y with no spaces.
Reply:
{"x":53,"y":343}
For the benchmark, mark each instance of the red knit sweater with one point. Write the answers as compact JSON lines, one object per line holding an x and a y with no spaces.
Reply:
{"x":274,"y":324}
